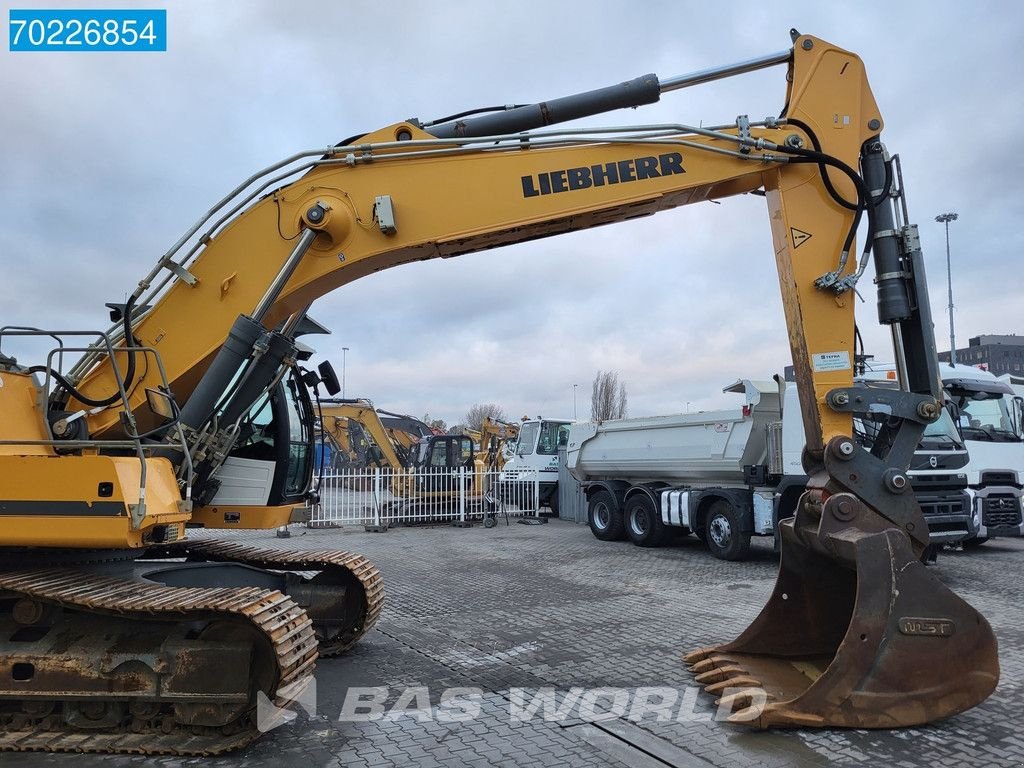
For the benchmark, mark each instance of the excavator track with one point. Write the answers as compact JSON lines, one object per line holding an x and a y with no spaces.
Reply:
{"x":283,"y":644}
{"x":329,"y":565}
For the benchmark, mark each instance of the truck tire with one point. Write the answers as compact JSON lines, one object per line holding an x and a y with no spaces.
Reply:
{"x":722,"y":532}
{"x":643,"y":523}
{"x":605,"y":518}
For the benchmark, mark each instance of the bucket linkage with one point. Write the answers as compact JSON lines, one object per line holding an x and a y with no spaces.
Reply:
{"x":857,"y":632}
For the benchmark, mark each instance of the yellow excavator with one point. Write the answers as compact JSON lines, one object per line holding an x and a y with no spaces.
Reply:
{"x":494,"y":436}
{"x":118,"y":632}
{"x":354,"y":423}
{"x":423,"y":471}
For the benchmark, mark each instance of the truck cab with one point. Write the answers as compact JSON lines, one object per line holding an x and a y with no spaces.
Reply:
{"x":938,"y":470}
{"x":988,"y":414}
{"x":535,"y":458}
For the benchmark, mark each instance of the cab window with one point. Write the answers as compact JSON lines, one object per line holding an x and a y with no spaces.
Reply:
{"x":527,"y":439}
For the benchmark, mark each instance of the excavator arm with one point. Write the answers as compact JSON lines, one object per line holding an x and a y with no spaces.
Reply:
{"x":857,"y":633}
{"x":337,"y":413}
{"x":494,"y":434}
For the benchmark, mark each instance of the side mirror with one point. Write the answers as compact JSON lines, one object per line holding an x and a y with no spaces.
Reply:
{"x":161,"y":402}
{"x":329,"y":378}
{"x":1018,"y":409}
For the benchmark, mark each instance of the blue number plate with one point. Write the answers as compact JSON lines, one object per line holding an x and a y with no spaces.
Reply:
{"x":87,"y":30}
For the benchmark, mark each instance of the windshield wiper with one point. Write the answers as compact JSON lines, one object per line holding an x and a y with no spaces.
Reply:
{"x":1008,"y":435}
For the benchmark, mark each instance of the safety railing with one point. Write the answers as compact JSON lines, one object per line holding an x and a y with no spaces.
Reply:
{"x":381,"y":497}
{"x":53,"y":373}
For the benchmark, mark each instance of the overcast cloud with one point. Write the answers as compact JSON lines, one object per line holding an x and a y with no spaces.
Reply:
{"x":108,"y":158}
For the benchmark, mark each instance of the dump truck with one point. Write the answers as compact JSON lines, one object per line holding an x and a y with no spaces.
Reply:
{"x":729,"y":475}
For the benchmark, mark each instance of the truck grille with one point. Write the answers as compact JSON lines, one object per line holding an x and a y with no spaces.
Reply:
{"x":998,"y":478}
{"x":1001,"y":510}
{"x":948,"y":515}
{"x":923,"y":478}
{"x":940,"y":506}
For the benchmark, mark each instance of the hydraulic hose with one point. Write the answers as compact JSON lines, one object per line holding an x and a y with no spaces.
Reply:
{"x":129,"y":372}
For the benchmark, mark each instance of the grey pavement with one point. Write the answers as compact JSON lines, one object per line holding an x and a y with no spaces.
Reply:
{"x":519,"y":616}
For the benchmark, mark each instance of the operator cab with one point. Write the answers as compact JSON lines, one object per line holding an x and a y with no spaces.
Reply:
{"x":444,"y":452}
{"x":272,"y":462}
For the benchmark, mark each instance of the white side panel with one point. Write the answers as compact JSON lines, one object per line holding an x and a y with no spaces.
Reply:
{"x":793,"y":438}
{"x":764,"y":512}
{"x":244,"y":482}
{"x":699,"y":447}
{"x":675,"y":509}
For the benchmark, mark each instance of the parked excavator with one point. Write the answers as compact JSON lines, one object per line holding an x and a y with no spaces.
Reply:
{"x":495,"y":436}
{"x":421,"y":471}
{"x":355,"y":424}
{"x":119,"y":633}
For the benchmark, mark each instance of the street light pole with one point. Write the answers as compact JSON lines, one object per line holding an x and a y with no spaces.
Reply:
{"x":945,"y":218}
{"x":575,"y":416}
{"x":344,"y":365}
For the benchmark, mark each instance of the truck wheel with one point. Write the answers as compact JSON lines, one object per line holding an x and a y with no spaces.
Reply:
{"x":722,"y":532}
{"x":643,"y":523}
{"x":605,"y":518}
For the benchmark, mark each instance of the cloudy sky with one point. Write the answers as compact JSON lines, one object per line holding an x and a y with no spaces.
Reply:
{"x":108,"y":158}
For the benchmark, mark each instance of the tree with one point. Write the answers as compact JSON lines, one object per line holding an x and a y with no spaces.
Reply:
{"x":438,"y":425}
{"x":607,"y":397}
{"x":477,"y":413}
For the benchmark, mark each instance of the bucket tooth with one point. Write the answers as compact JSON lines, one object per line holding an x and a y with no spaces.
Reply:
{"x":703,"y":666}
{"x":699,"y":655}
{"x":756,"y":717}
{"x":749,"y":715}
{"x":740,"y":681}
{"x":743,"y":698}
{"x":719,"y":673}
{"x":856,"y":634}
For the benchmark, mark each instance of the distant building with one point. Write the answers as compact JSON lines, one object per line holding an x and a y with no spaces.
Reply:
{"x":998,"y":354}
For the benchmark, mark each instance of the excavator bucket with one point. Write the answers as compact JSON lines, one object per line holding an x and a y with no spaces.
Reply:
{"x":863,"y":636}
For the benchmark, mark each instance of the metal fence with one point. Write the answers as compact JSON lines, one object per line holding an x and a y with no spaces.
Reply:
{"x":380,"y":497}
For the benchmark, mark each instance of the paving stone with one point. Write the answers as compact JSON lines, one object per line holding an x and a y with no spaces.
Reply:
{"x":534,"y":608}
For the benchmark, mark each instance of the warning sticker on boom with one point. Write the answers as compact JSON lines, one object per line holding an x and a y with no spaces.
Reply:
{"x":799,"y":236}
{"x":830,"y":361}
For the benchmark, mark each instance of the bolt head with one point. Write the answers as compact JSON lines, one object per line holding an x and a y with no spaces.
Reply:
{"x":807,"y":45}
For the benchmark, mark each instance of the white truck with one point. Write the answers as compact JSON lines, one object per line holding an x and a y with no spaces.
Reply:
{"x":989,"y":411}
{"x":938,"y":472}
{"x":533,"y":458}
{"x":724,"y":475}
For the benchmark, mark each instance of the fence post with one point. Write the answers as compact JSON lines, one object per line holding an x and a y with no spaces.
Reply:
{"x":536,"y":493}
{"x":462,"y":522}
{"x":378,"y":526}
